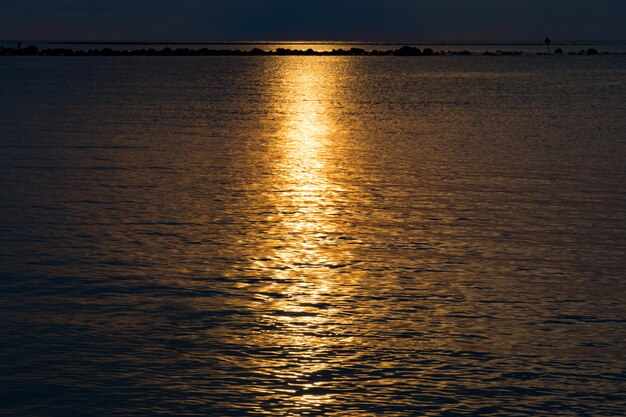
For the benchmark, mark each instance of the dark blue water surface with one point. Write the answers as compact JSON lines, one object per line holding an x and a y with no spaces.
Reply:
{"x":288,"y":236}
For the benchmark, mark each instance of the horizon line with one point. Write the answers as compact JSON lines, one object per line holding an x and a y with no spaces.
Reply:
{"x":313,"y":42}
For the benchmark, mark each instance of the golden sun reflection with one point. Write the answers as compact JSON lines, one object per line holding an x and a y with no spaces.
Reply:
{"x":302,"y":169}
{"x":308,"y":262}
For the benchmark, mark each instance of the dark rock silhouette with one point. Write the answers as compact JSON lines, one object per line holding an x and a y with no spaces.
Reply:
{"x":358,"y":51}
{"x":407,"y":51}
{"x":31,"y":50}
{"x":509,"y":53}
{"x":403,"y":51}
{"x":558,"y":51}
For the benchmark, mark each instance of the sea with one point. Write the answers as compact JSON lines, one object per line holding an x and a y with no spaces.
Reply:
{"x":308,"y":236}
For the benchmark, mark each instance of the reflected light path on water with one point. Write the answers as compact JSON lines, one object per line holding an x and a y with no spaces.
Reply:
{"x":306,"y":263}
{"x":306,"y":194}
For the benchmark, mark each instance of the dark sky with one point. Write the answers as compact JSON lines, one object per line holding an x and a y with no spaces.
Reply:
{"x":370,"y":20}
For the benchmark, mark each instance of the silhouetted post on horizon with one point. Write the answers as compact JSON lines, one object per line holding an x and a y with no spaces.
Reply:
{"x":548,"y":41}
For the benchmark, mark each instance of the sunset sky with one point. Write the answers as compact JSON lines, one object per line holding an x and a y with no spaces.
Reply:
{"x":369,"y":20}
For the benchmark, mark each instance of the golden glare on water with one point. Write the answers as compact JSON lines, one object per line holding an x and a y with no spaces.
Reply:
{"x":306,"y":134}
{"x":306,"y":265}
{"x":305,"y":192}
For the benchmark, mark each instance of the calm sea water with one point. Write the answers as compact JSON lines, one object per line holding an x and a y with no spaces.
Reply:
{"x":292,"y":236}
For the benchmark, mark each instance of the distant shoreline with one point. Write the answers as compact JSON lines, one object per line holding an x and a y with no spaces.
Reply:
{"x":361,"y":43}
{"x":353,"y":42}
{"x":32,"y":50}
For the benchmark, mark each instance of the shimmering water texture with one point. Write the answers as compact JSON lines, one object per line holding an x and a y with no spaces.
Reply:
{"x":312,"y":236}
